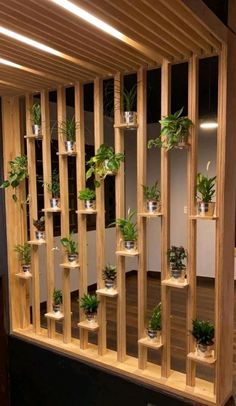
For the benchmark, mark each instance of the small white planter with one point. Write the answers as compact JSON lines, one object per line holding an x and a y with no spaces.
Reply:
{"x":129,"y":245}
{"x":204,"y":351}
{"x":36,"y":130}
{"x":206,"y":209}
{"x":39,"y":235}
{"x":70,"y":146}
{"x":130,"y":117}
{"x":153,"y":206}
{"x":54,"y":203}
{"x":154,"y":335}
{"x":89,"y":204}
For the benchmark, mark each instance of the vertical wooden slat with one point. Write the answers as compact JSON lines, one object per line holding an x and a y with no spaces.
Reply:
{"x":15,"y":214}
{"x":33,"y":215}
{"x":46,"y":153}
{"x":165,"y":224}
{"x":120,"y":212}
{"x":191,"y":204}
{"x":142,"y":221}
{"x":100,"y":222}
{"x":82,"y":220}
{"x":63,"y":169}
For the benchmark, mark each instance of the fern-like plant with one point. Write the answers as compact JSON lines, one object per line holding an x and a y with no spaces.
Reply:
{"x":151,"y":192}
{"x":68,"y":128}
{"x":127,"y":226}
{"x":24,"y":253}
{"x":203,"y":332}
{"x":129,"y":98}
{"x":155,"y":320}
{"x":54,"y":186}
{"x":89,"y":303}
{"x":57,"y":297}
{"x":110,"y":272}
{"x":35,"y":114}
{"x":17,"y":174}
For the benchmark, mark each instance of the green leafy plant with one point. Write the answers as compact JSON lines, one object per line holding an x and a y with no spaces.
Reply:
{"x":155,"y":320}
{"x":110,"y":272}
{"x":89,"y":303}
{"x":35,"y":114}
{"x":68,"y":128}
{"x":205,"y":187}
{"x":69,"y":244}
{"x":39,"y":224}
{"x":57,"y":296}
{"x":17,"y":174}
{"x":24,"y":253}
{"x":54,"y":186}
{"x":87,"y":194}
{"x":103,"y":162}
{"x":127,"y":227}
{"x":174,"y":129}
{"x":129,"y":98}
{"x":176,"y":256}
{"x":203,"y":332}
{"x":151,"y":192}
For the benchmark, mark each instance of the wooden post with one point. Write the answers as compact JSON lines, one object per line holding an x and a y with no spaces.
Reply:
{"x":100,"y":223}
{"x":191,"y":204}
{"x":142,"y":221}
{"x":82,"y":220}
{"x":165,"y":225}
{"x":120,"y":212}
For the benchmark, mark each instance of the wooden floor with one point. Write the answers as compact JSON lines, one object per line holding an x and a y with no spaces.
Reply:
{"x":205,"y":310}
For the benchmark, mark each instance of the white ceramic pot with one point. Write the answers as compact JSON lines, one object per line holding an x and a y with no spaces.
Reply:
{"x":54,"y":203}
{"x":70,"y":146}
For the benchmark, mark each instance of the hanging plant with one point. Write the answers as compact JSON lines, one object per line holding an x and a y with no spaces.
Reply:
{"x":17,"y":174}
{"x":174,"y":132}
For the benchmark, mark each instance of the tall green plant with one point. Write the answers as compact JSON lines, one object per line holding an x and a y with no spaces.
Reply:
{"x":17,"y":174}
{"x":127,"y":226}
{"x":205,"y":187}
{"x":35,"y":114}
{"x":129,"y":98}
{"x":68,"y":128}
{"x":54,"y":186}
{"x":155,"y":320}
{"x":57,"y":296}
{"x":24,"y":253}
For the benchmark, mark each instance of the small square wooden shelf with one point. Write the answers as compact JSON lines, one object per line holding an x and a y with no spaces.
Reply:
{"x":146,"y":342}
{"x":197,"y":216}
{"x":87,"y":325}
{"x":206,"y":361}
{"x":54,"y":316}
{"x":124,"y":253}
{"x":69,"y":265}
{"x":52,"y":210}
{"x":107,"y":292}
{"x":65,"y":153}
{"x":124,"y":126}
{"x":24,"y":275}
{"x":86,"y":211}
{"x":149,"y":215}
{"x":37,"y":242}
{"x":179,"y":285}
{"x":33,"y":137}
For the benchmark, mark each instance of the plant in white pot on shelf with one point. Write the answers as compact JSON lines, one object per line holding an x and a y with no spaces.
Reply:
{"x":88,"y":196}
{"x":152,"y":196}
{"x":57,"y":300}
{"x":176,"y":258}
{"x":105,"y":162}
{"x":174,"y":132}
{"x":17,"y":174}
{"x":71,"y":248}
{"x":128,"y":230}
{"x":204,"y":333}
{"x":154,"y":324}
{"x":68,"y":131}
{"x":54,"y":188}
{"x":89,"y":304}
{"x":35,"y":115}
{"x":24,"y":255}
{"x":109,"y":276}
{"x":205,"y":193}
{"x":129,"y":103}
{"x":40,"y":228}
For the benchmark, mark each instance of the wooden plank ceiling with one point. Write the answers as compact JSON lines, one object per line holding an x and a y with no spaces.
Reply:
{"x":152,"y":30}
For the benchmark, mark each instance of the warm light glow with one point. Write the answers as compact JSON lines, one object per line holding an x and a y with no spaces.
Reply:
{"x":29,"y":41}
{"x":9,"y":63}
{"x":78,"y":11}
{"x":209,"y":125}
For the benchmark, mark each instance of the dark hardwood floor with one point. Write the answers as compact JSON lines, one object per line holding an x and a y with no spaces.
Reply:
{"x":205,"y":310}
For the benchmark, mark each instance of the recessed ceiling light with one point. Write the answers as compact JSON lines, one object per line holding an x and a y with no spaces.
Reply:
{"x":209,"y":125}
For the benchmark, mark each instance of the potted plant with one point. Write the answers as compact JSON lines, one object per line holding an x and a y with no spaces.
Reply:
{"x":17,"y":174}
{"x":205,"y":193}
{"x":68,"y":130}
{"x":54,"y":188}
{"x":89,"y":304}
{"x":88,"y":196}
{"x":109,"y":276}
{"x":57,"y":300}
{"x":71,"y":248}
{"x":35,"y":113}
{"x":24,"y":254}
{"x":129,"y":102}
{"x":128,"y":230}
{"x":40,"y":228}
{"x":174,"y":132}
{"x":154,"y":325}
{"x":104,"y":163}
{"x":152,"y":196}
{"x":176,"y":256}
{"x":203,"y":332}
